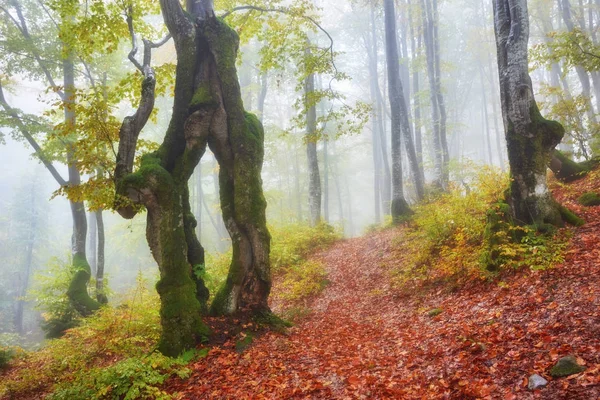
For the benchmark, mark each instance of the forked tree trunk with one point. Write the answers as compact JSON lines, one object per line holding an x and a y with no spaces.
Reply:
{"x":530,"y":138}
{"x":207,"y":110}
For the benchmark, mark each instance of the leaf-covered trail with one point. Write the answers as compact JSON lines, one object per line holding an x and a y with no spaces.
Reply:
{"x":364,"y":340}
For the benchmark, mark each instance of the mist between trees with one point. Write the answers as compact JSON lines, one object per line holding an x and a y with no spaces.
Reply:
{"x":189,"y":124}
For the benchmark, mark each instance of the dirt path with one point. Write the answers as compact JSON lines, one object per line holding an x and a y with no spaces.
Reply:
{"x":363,"y":341}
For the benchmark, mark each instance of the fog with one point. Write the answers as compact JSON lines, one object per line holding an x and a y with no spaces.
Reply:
{"x":469,"y":83}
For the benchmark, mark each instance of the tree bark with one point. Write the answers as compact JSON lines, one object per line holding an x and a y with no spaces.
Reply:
{"x":92,"y":241}
{"x":565,"y":9}
{"x":438,"y":109}
{"x":399,"y":114}
{"x":530,"y":138}
{"x":77,"y":291}
{"x":314,"y":178}
{"x":375,"y":146}
{"x":25,"y":275}
{"x":379,"y":112}
{"x":207,"y":109}
{"x":415,"y":44}
{"x":264,"y":86}
{"x":100,"y":292}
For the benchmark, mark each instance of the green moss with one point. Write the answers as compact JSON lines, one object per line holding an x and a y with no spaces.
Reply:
{"x":529,"y":152}
{"x":220,"y":303}
{"x":497,"y":232}
{"x":435,"y":312}
{"x":77,"y":292}
{"x":270,"y":320}
{"x":589,"y":199}
{"x":400,"y":211}
{"x":244,"y":343}
{"x":180,"y":315}
{"x":203,"y":97}
{"x":56,"y":327}
{"x":570,"y":217}
{"x":566,"y":366}
{"x":568,"y":170}
{"x":6,"y":354}
{"x":242,"y":200}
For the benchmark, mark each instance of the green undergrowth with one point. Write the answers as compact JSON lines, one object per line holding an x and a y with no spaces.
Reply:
{"x":448,"y":239}
{"x":291,"y":246}
{"x":298,"y":277}
{"x":49,"y":293}
{"x":110,"y":355}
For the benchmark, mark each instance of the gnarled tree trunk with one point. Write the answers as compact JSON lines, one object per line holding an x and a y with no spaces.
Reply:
{"x":207,"y":110}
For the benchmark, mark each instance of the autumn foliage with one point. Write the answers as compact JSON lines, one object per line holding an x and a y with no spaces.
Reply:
{"x":444,"y":335}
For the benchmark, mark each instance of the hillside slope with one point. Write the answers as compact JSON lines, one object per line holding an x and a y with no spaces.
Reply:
{"x":363,"y":339}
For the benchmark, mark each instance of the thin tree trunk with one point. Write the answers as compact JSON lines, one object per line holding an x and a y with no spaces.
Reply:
{"x":77,"y":292}
{"x":199,"y":200}
{"x":314,"y":178}
{"x":375,"y":148}
{"x":379,"y":117}
{"x":297,"y":186}
{"x":336,"y":179}
{"x":264,"y":86}
{"x":25,"y":275}
{"x":100,"y":291}
{"x":416,"y":49}
{"x":400,"y":124}
{"x":93,"y":242}
{"x":438,"y":160}
{"x":565,"y":9}
{"x":350,"y":214}
{"x":485,"y":116}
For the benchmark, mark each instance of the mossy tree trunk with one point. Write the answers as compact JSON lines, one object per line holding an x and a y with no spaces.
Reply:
{"x":207,"y":110}
{"x":530,"y":138}
{"x":78,"y":287}
{"x":77,"y":291}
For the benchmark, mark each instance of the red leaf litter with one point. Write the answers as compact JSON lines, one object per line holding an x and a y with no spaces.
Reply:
{"x":364,"y":340}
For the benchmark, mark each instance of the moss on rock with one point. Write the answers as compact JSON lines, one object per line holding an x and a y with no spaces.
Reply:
{"x":589,"y":199}
{"x":570,"y":217}
{"x":566,"y":366}
{"x":567,"y":170}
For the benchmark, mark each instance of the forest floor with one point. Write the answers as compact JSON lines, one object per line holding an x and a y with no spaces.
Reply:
{"x":364,"y":339}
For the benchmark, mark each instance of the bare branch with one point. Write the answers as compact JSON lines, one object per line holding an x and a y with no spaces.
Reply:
{"x":134,"y":47}
{"x":162,"y":41}
{"x":48,"y":14}
{"x":287,"y":12}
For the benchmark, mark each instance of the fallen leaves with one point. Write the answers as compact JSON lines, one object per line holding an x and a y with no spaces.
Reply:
{"x":362,"y":340}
